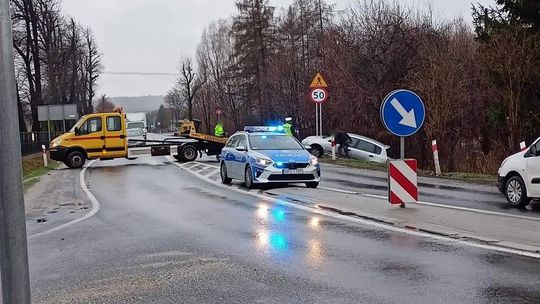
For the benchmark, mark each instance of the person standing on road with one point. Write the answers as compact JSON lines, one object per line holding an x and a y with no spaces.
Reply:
{"x":218,"y":129}
{"x":343,"y":140}
{"x":288,"y":127}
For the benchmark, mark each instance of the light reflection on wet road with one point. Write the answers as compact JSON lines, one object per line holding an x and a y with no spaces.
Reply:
{"x":175,"y":239}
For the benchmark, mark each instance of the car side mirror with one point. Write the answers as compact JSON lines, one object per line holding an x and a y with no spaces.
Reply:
{"x":241,"y":149}
{"x":77,"y":131}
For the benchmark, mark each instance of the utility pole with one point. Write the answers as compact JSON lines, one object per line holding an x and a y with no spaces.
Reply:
{"x":13,"y":248}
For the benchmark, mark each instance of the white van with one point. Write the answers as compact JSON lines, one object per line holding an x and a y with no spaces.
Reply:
{"x":519,"y":176}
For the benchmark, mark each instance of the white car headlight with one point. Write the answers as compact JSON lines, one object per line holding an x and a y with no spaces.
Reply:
{"x":264,"y":162}
{"x":314,"y":161}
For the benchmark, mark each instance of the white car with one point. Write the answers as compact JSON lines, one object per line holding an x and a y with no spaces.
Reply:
{"x":137,"y":134}
{"x":362,"y":148}
{"x":519,"y":176}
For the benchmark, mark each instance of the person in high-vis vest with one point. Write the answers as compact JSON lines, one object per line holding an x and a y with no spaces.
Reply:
{"x":288,"y":127}
{"x":218,"y":129}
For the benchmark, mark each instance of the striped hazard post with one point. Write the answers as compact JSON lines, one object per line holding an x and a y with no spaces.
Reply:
{"x":403,"y":182}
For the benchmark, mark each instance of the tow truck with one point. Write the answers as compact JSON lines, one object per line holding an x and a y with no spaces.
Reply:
{"x":104,"y":136}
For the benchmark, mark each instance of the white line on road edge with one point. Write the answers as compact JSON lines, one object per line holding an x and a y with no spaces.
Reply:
{"x":338,"y":190}
{"x":429,"y":204}
{"x":91,"y":197}
{"x":211,"y":173}
{"x":362,"y":221}
{"x":464,"y":209}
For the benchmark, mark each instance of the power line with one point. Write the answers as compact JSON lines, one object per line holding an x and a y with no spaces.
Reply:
{"x":140,"y":73}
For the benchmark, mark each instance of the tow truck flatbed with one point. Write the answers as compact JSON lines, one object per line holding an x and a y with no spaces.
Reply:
{"x":103,"y":136}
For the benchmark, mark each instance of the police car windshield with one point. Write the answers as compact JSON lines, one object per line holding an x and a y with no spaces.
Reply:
{"x":273,"y":142}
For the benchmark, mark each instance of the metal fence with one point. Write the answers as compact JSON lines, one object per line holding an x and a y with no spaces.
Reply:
{"x":31,"y":141}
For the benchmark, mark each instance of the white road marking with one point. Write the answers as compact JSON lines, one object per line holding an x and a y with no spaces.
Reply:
{"x":429,"y":203}
{"x":338,"y":190}
{"x":212,"y":173}
{"x":361,"y":221}
{"x":92,"y":212}
{"x":464,"y":209}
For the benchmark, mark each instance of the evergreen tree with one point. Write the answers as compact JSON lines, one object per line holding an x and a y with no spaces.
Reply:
{"x":253,"y":29}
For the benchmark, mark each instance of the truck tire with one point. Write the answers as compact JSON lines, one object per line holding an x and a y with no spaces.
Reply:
{"x":179,"y":158}
{"x":317,"y":151}
{"x":189,"y":153}
{"x":516,"y":192}
{"x":75,"y":160}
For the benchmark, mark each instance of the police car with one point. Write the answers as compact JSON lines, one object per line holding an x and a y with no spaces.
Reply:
{"x":261,"y":155}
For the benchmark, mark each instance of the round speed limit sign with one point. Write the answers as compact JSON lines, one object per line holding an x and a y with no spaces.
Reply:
{"x":318,"y":95}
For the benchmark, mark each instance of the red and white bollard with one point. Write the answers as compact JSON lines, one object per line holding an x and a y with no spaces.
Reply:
{"x":333,"y":148}
{"x":522,"y":146}
{"x":435,"y":150}
{"x":45,"y":160}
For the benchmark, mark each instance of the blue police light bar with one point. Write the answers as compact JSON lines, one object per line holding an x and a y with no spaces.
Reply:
{"x":278,"y":129}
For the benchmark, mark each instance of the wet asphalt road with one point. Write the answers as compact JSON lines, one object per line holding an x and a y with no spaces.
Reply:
{"x":162,"y":236}
{"x":433,"y":190}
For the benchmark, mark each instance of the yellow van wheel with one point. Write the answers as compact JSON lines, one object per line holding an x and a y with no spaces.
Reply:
{"x":75,"y":159}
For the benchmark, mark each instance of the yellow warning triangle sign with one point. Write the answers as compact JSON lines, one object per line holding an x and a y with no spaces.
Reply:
{"x":318,"y":82}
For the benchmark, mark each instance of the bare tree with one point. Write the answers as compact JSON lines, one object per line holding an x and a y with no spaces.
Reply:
{"x":60,"y":60}
{"x":513,"y":58}
{"x":189,"y":84}
{"x":176,"y":101}
{"x":92,"y":69}
{"x":104,"y":105}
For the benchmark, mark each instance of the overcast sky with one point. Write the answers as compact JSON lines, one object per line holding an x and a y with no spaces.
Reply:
{"x":150,"y":36}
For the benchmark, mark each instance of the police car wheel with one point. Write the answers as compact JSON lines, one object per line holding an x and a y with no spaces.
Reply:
{"x":516,"y":193}
{"x":75,"y":160}
{"x":248,"y":178}
{"x":224,"y":176}
{"x":312,"y":184}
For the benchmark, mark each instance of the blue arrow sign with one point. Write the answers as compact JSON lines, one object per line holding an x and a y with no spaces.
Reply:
{"x":403,"y":113}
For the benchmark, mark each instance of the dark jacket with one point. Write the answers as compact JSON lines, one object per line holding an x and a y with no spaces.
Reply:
{"x":342,"y":138}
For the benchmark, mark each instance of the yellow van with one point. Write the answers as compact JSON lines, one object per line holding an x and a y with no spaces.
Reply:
{"x":101,"y":135}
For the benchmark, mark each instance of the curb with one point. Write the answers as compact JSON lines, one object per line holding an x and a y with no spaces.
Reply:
{"x":437,"y":231}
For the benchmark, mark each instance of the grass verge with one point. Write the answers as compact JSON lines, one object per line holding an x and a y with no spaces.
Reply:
{"x":354,"y":163}
{"x":458,"y":176}
{"x":32,"y":167}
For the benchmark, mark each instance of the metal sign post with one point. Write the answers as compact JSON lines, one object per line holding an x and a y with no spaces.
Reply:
{"x":402,"y":147}
{"x":321,"y":121}
{"x":13,"y":247}
{"x":403,"y":114}
{"x":318,"y":94}
{"x":316,"y":119}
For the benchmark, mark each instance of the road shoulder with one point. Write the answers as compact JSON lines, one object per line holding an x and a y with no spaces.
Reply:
{"x":517,"y":234}
{"x":57,"y":198}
